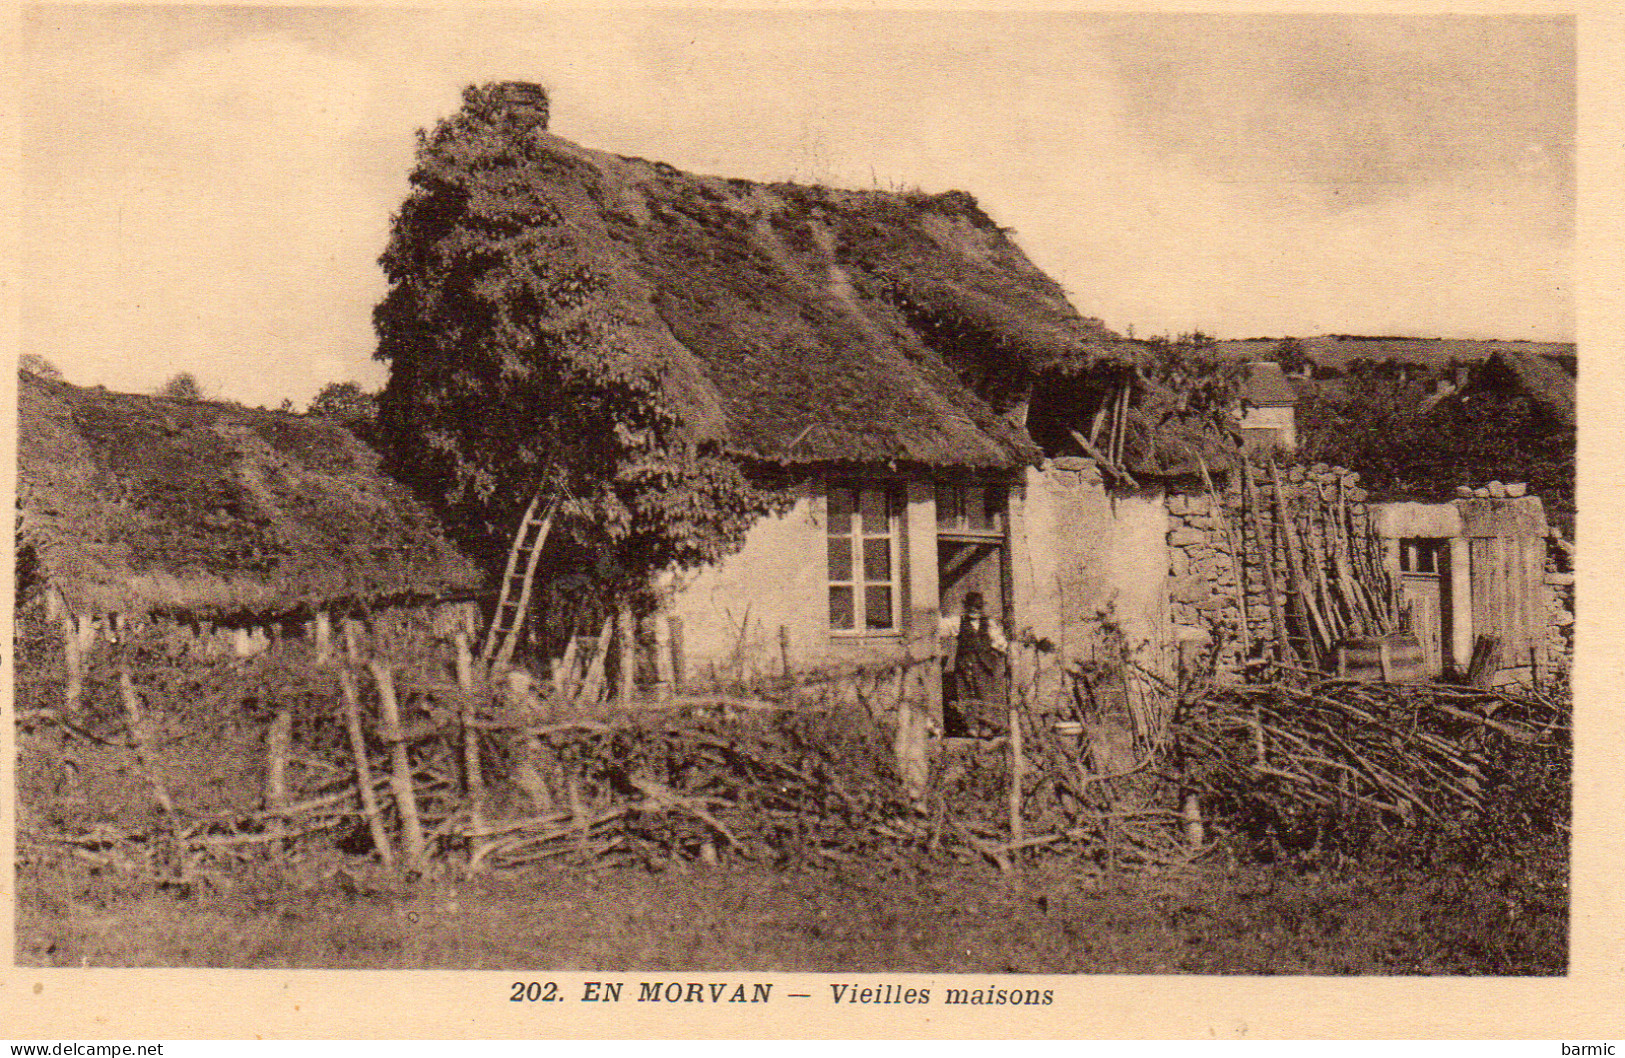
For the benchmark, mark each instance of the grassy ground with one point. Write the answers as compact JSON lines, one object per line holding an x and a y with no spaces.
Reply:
{"x":951,"y":919}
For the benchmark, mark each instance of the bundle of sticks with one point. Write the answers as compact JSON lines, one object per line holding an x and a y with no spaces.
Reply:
{"x":1326,"y":749}
{"x":1311,"y":559}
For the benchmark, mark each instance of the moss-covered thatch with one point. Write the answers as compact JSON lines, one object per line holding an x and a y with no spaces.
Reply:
{"x":798,"y":324}
{"x":133,"y":504}
{"x":1547,"y":385}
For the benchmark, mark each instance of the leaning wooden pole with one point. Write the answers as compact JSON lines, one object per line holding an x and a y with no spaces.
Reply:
{"x":1219,"y":512}
{"x":1319,"y":636}
{"x":278,"y":746}
{"x":1018,"y":775}
{"x":473,"y":775}
{"x":1266,"y":560}
{"x":73,"y":658}
{"x":400,"y":778}
{"x":350,"y":697}
{"x":140,"y":743}
{"x":626,"y":656}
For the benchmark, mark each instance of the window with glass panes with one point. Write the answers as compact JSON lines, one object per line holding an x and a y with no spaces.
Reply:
{"x":970,"y":510}
{"x":865,"y":559}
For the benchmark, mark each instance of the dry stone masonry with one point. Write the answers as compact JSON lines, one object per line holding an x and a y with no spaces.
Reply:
{"x":1311,"y":570}
{"x":1285,"y":563}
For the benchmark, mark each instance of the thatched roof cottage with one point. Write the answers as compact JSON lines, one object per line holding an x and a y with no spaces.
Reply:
{"x":232,"y":521}
{"x":889,"y":353}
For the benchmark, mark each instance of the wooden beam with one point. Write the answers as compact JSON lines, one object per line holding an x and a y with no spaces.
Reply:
{"x":351,"y":708}
{"x":400,"y":779}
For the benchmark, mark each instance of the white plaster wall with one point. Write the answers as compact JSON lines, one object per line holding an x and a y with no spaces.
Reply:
{"x":1077,"y":551}
{"x":732,"y":611}
{"x":1282,"y":418}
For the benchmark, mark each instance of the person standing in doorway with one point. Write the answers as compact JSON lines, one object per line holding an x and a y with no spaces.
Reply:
{"x":975,"y":647}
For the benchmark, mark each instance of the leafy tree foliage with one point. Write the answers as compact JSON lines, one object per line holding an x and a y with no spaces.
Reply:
{"x":1405,"y":446}
{"x":344,"y":402}
{"x":183,"y":386}
{"x":1292,"y":356}
{"x":35,"y":364}
{"x":1186,"y":379}
{"x":514,"y":366}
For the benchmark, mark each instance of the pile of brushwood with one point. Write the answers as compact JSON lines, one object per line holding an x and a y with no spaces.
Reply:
{"x":781,"y":787}
{"x":1326,"y":766}
{"x":193,"y":778}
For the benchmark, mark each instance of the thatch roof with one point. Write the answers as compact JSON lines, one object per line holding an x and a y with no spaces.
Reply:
{"x":798,"y":324}
{"x":1544,"y":382}
{"x":1267,"y":384}
{"x":140,"y":504}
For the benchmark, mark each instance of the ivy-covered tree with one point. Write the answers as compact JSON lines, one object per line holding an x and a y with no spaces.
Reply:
{"x":1187,"y":380}
{"x":1292,"y":355}
{"x":515,"y":366}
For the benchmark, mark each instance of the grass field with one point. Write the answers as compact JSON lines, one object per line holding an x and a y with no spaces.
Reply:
{"x":952,"y":918}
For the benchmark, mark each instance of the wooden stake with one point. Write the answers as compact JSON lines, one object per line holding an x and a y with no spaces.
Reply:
{"x":322,"y":637}
{"x":73,"y":688}
{"x":564,"y":672}
{"x":1192,"y":815}
{"x":351,"y":699}
{"x":1300,"y":585}
{"x":593,"y":682}
{"x":675,"y":626}
{"x":784,"y":650}
{"x":400,"y":780}
{"x":139,"y":743}
{"x":663,"y":667}
{"x":473,"y":776}
{"x":578,"y":813}
{"x":1354,"y":598}
{"x":1018,"y":765}
{"x":1120,"y":427}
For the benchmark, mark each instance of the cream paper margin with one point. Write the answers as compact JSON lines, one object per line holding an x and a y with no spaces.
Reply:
{"x":88,"y":1004}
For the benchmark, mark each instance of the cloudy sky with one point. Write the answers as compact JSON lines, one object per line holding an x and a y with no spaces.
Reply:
{"x":208,"y":188}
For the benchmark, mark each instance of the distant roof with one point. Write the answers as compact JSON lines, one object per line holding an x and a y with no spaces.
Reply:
{"x":1267,"y":384}
{"x":799,"y":324}
{"x":1547,"y":384}
{"x":144,"y":504}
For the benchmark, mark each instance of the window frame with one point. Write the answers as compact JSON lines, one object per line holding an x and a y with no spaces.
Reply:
{"x":958,"y":527}
{"x":858,"y":583}
{"x":1414,"y":549}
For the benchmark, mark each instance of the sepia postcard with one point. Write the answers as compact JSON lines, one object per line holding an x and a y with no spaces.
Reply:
{"x":649,"y":521}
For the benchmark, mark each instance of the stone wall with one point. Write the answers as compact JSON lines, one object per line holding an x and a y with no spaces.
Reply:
{"x":1559,"y":608}
{"x":1329,"y":520}
{"x":1338,"y":531}
{"x":1202,"y":589}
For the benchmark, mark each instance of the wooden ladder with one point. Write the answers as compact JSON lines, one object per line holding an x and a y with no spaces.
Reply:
{"x":517,"y":580}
